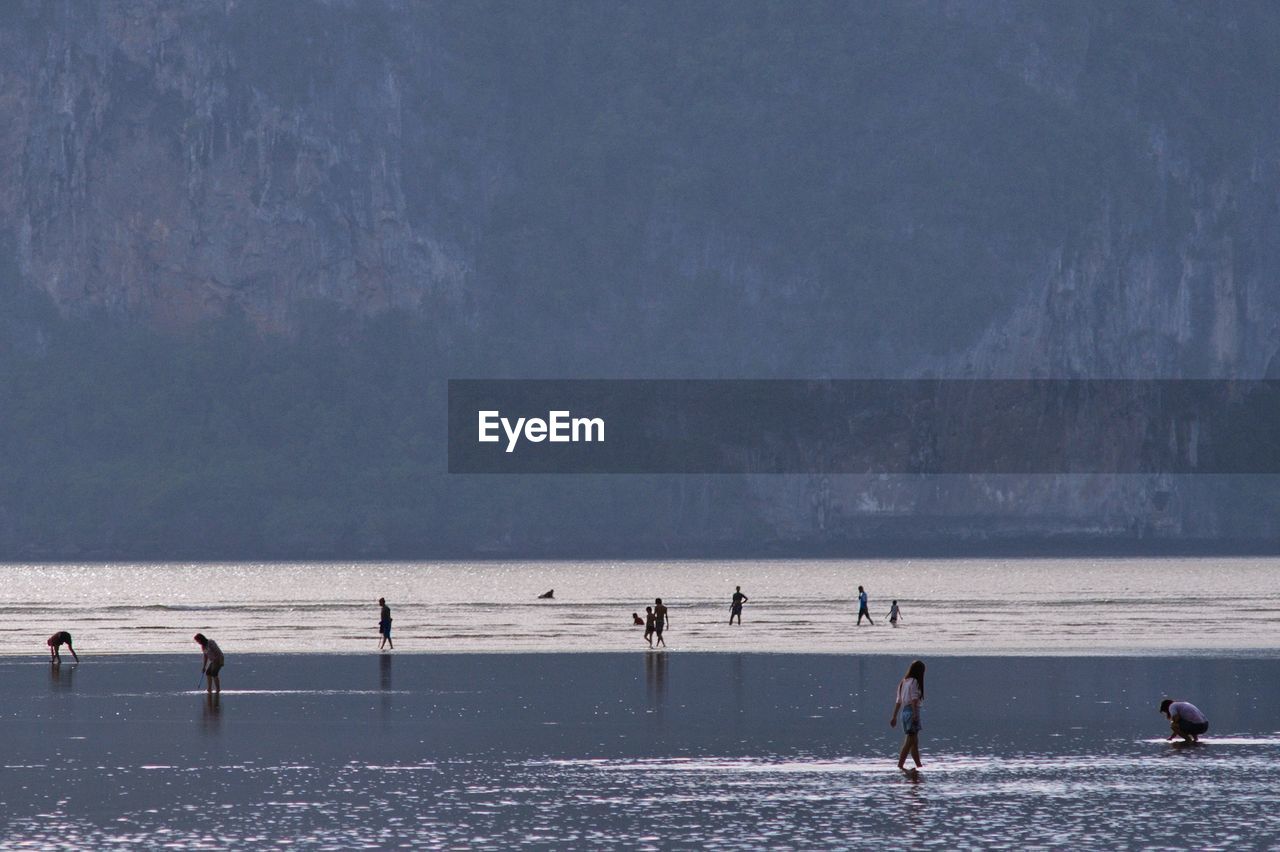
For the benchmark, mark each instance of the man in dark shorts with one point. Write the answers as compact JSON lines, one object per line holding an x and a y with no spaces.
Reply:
{"x":62,"y":637}
{"x":211,"y":662}
{"x":735,"y":608}
{"x":862,"y":607}
{"x":1185,"y":720}
{"x":660,"y":620}
{"x":384,"y":625}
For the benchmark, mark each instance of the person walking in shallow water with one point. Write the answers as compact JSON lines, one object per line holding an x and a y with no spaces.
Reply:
{"x":862,"y":607}
{"x":211,"y":662}
{"x":894,"y":614}
{"x":648,"y":625}
{"x":384,"y":625}
{"x":661,"y":620}
{"x":909,"y":698}
{"x":735,"y":607}
{"x":62,"y":637}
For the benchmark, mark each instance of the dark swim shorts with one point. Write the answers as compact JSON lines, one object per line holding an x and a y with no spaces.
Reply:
{"x":213,"y":669}
{"x":384,"y":627}
{"x":1193,"y":728}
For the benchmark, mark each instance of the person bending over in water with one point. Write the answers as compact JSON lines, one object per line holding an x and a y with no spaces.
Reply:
{"x":862,"y":607}
{"x":62,"y":637}
{"x":661,"y":620}
{"x":212,"y":662}
{"x":1185,"y":720}
{"x":908,"y":700}
{"x":636,"y":620}
{"x":894,"y":614}
{"x":648,"y":625}
{"x":735,"y":607}
{"x":384,"y":625}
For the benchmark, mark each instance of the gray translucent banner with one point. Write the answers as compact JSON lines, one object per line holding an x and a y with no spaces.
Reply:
{"x":864,"y":426}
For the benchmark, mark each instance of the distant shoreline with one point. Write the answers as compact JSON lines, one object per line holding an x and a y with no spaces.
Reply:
{"x":1003,"y":548}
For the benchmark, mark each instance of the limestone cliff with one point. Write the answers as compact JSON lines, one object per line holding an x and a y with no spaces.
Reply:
{"x":678,"y":189}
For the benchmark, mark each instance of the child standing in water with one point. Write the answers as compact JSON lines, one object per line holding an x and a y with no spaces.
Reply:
{"x":648,"y":625}
{"x":894,"y":614}
{"x":909,"y":697}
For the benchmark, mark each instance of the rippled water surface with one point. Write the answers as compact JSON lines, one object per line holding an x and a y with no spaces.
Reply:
{"x":1119,"y":606}
{"x":643,"y":750}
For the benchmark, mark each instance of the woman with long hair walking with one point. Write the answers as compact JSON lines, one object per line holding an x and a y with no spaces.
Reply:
{"x":909,"y":697}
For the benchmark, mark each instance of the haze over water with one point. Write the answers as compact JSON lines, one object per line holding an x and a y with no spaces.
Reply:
{"x":1057,"y":606}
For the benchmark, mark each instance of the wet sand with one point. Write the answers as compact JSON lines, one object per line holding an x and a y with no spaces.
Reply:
{"x":712,"y":749}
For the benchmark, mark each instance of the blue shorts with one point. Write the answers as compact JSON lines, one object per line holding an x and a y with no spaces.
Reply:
{"x":385,"y":628}
{"x":910,"y":720}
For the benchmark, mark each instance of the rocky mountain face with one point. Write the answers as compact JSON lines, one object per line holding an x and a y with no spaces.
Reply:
{"x":672,"y":189}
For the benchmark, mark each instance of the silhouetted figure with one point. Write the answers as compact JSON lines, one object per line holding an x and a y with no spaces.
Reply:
{"x":735,"y":607}
{"x":648,"y":625}
{"x":384,"y":625}
{"x":636,"y":620}
{"x":1185,"y":720}
{"x":211,"y":662}
{"x":862,"y":607}
{"x":62,"y":637}
{"x":894,"y":614}
{"x":548,"y":595}
{"x":909,"y":698}
{"x":661,"y":620}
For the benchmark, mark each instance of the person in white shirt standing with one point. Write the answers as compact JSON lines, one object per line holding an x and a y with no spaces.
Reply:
{"x":909,"y":698}
{"x":1185,"y":720}
{"x":212,"y":662}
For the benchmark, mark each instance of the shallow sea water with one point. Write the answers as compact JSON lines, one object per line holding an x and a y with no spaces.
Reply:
{"x":1063,"y":606}
{"x":634,"y":750}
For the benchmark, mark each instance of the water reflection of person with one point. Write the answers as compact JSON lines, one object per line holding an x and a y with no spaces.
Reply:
{"x":384,"y":684}
{"x":655,"y":670}
{"x":60,"y":678}
{"x":384,"y":673}
{"x":211,"y":719}
{"x":909,"y":697}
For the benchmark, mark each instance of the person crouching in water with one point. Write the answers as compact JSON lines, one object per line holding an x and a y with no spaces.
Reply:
{"x":1185,"y":720}
{"x":212,"y":662}
{"x":909,"y":698}
{"x":62,"y":637}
